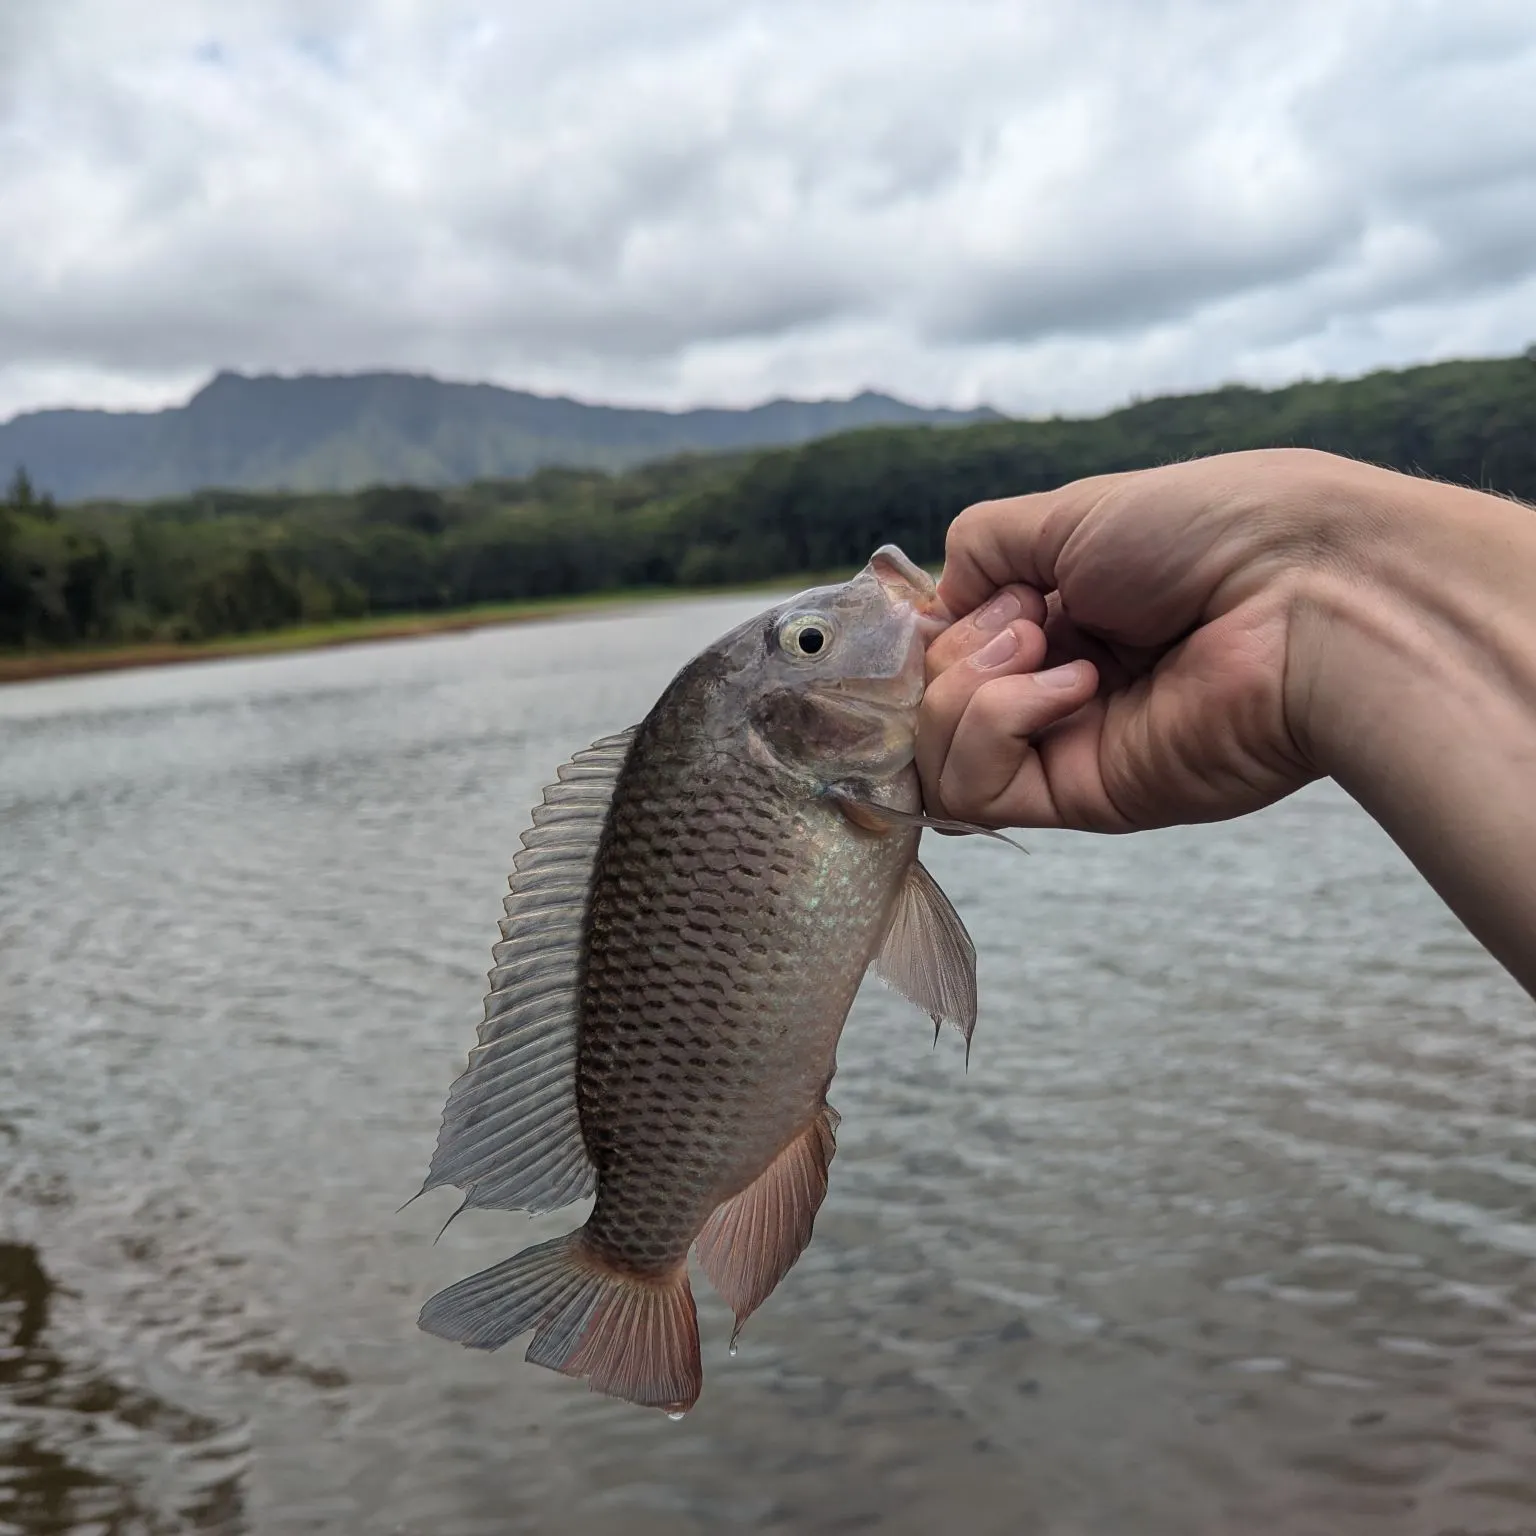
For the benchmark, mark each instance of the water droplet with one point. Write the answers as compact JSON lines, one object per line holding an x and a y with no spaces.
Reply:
{"x":674,"y":1417}
{"x":733,"y":1349}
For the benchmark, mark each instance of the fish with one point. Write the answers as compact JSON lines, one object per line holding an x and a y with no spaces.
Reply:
{"x":693,"y":910}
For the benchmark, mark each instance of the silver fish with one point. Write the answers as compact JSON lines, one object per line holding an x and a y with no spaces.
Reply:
{"x":690,"y":918}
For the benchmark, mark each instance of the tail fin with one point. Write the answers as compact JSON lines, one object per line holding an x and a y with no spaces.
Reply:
{"x":630,"y":1337}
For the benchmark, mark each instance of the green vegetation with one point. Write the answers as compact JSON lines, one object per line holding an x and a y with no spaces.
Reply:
{"x":24,"y":665}
{"x":224,"y":563}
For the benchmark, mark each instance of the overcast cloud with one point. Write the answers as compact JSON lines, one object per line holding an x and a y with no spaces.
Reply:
{"x":1042,"y":204}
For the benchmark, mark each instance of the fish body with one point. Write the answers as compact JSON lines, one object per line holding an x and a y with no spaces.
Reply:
{"x":764,"y":909}
{"x":690,"y":920}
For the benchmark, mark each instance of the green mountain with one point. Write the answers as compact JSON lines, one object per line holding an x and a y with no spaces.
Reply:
{"x":233,"y":562}
{"x":339,"y":432}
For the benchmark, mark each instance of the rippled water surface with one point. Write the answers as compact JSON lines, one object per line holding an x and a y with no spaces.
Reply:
{"x":1231,"y":1225}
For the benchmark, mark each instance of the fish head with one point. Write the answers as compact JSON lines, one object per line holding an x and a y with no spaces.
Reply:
{"x":835,"y":674}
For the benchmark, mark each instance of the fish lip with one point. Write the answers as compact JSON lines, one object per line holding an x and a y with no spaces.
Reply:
{"x":911,"y":594}
{"x":907,"y":584}
{"x":931,"y":625}
{"x":891,"y":568}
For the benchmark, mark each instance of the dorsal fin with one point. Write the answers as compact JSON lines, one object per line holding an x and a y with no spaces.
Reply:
{"x":511,"y":1134}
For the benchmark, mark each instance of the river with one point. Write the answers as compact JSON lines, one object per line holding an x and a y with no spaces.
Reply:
{"x":1229,"y":1227}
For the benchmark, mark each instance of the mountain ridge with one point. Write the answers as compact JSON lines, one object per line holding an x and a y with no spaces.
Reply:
{"x":341,"y":432}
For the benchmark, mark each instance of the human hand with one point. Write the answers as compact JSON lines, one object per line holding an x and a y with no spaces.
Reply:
{"x":1219,"y":632}
{"x":1168,"y":606}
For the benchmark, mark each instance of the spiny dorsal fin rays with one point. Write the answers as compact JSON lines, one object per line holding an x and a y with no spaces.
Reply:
{"x":511,"y":1135}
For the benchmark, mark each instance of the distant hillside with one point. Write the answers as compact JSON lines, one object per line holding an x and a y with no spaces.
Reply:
{"x":340,"y":432}
{"x":218,"y":563}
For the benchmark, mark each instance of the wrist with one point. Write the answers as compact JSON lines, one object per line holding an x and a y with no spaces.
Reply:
{"x":1412,"y":682}
{"x":1424,"y":608}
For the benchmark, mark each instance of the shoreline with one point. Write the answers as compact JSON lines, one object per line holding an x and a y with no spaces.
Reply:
{"x":40,"y":666}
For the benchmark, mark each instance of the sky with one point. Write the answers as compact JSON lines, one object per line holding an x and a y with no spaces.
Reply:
{"x":1051,"y":206}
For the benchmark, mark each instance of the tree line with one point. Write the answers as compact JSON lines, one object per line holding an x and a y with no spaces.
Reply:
{"x":230,"y":562}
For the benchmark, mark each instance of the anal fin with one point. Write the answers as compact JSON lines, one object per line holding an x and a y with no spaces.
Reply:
{"x":753,"y":1239}
{"x":928,"y":956}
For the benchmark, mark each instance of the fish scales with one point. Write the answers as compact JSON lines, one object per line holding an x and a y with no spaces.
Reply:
{"x":732,"y":920}
{"x":689,"y":920}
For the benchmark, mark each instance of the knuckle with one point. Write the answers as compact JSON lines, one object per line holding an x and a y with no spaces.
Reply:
{"x":953,"y":796}
{"x":996,"y":713}
{"x":962,"y":530}
{"x":945,"y":697}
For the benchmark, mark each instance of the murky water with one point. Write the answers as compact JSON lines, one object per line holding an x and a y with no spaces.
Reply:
{"x":1231,"y":1226}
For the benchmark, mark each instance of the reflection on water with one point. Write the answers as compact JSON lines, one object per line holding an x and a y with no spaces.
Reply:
{"x":75,"y":1444}
{"x":1230,"y":1226}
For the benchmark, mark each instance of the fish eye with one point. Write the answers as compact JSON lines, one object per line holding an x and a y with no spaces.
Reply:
{"x":806,"y":635}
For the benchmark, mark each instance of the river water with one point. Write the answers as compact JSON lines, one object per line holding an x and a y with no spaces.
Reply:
{"x":1230,"y":1227}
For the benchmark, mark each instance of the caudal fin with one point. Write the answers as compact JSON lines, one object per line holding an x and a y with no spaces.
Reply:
{"x":632,"y":1338}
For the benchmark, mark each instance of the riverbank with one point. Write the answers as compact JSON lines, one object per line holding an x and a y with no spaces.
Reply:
{"x":34,"y":666}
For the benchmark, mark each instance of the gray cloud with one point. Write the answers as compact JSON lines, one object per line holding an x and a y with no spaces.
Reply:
{"x":1052,"y":207}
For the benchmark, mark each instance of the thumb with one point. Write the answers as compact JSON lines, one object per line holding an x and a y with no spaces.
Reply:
{"x":1016,"y":539}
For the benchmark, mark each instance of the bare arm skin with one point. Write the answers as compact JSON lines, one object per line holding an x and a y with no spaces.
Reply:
{"x":1220,"y":632}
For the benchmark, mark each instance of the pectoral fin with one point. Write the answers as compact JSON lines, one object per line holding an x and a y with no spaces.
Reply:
{"x":928,"y":956}
{"x":883,"y":818}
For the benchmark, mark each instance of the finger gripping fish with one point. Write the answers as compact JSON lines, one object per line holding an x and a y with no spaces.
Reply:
{"x":689,"y":919}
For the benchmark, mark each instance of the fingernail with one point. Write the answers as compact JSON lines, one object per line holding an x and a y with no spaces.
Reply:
{"x":996,"y":651}
{"x":1003,"y":609}
{"x":1068,"y":676}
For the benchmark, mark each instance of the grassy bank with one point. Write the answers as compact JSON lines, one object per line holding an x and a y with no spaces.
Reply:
{"x":34,"y":665}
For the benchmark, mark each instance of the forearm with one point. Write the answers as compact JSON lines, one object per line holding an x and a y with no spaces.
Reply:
{"x":1414,"y":686}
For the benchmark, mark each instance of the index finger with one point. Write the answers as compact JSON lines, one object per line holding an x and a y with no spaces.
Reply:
{"x":1016,"y":539}
{"x":970,"y":633}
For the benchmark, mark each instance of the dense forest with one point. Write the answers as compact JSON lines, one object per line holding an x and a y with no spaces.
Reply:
{"x":223,"y":562}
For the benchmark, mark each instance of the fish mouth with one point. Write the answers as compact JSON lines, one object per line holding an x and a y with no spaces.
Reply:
{"x":907,"y":584}
{"x":894,"y":682}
